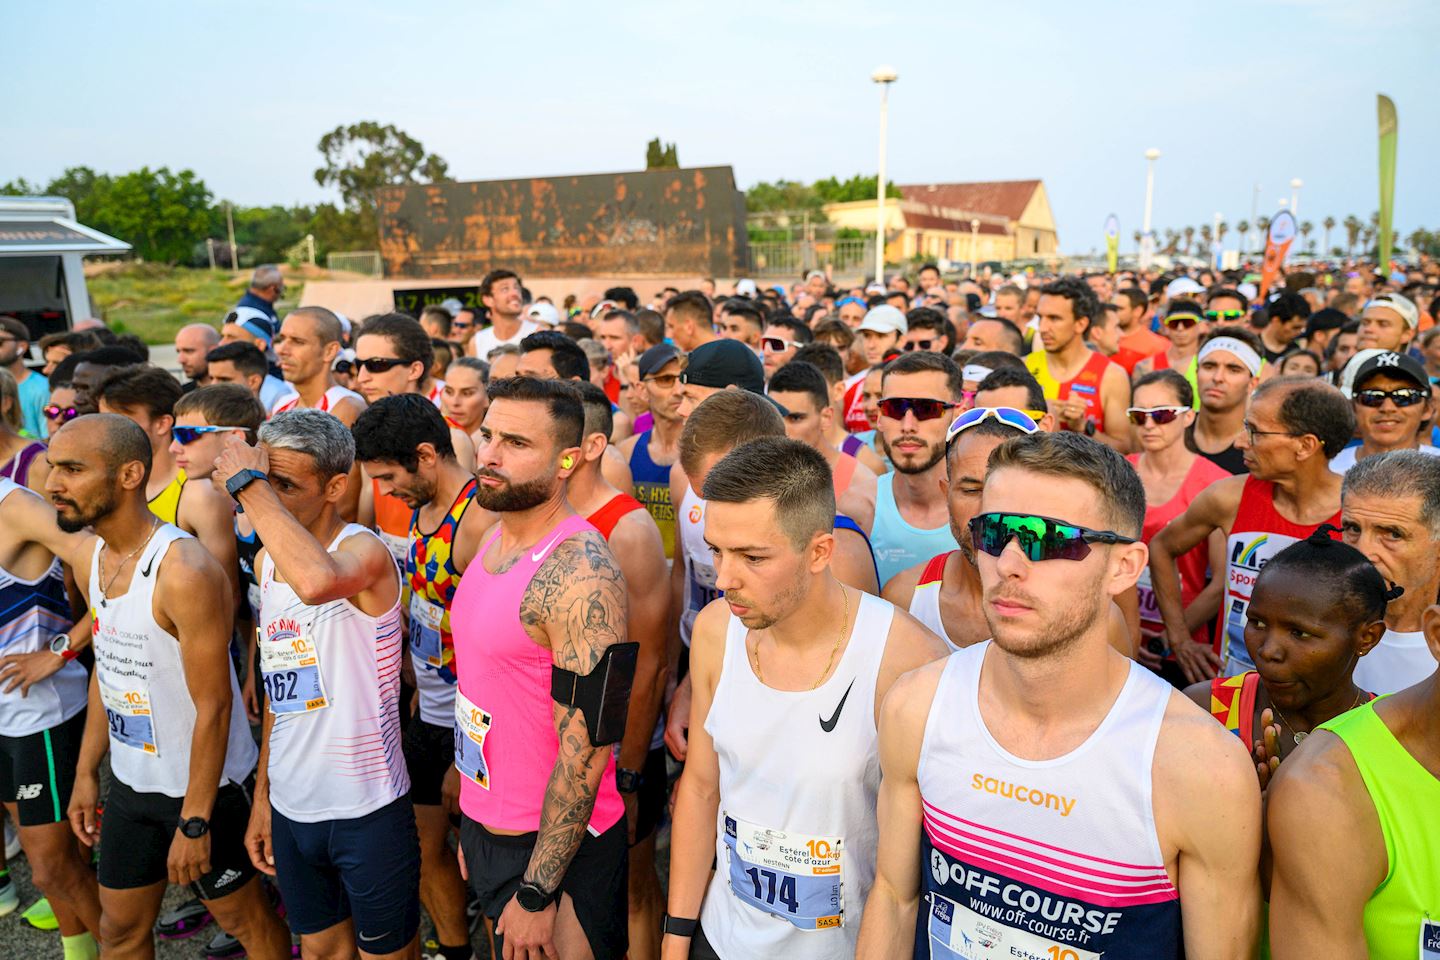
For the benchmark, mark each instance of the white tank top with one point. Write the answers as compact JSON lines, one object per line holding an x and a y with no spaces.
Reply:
{"x":1042,"y":858}
{"x":332,"y":397}
{"x":799,"y":775}
{"x":31,"y":612}
{"x":142,"y":683}
{"x":332,"y":678}
{"x":699,"y":566}
{"x":925,"y":601}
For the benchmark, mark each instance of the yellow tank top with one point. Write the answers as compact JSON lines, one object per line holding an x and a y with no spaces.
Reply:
{"x":166,"y":503}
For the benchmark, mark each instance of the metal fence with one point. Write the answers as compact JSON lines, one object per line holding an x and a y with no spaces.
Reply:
{"x":787,"y":258}
{"x":367,"y":262}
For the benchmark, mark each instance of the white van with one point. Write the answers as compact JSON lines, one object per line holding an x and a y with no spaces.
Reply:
{"x":42,"y":248}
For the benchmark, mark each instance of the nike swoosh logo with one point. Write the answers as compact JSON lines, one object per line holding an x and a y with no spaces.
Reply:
{"x":829,"y":725}
{"x":539,"y":555}
{"x":146,"y":571}
{"x":366,"y":939}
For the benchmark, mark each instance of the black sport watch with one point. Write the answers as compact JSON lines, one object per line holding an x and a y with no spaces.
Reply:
{"x":628,"y":781}
{"x":533,"y":899}
{"x":240,"y":481}
{"x":193,"y":827}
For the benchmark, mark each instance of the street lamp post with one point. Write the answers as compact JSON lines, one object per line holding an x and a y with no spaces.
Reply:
{"x":883,"y":76}
{"x":974,"y":248}
{"x":1295,"y":186}
{"x":1147,"y":240}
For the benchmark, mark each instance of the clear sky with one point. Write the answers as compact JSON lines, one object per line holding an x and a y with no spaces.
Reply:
{"x":1232,"y":93}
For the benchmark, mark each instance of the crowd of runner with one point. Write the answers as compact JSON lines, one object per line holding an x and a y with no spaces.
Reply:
{"x":967,"y":618}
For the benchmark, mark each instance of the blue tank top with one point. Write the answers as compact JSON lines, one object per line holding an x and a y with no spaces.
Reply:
{"x":895,"y":543}
{"x":651,"y":482}
{"x":843,"y":522}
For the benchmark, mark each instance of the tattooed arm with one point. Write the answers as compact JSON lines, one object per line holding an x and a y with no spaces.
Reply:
{"x":576,"y":605}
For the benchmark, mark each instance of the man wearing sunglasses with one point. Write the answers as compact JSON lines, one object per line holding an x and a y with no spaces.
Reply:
{"x":1226,"y":305}
{"x":920,"y":395}
{"x":1086,"y":759}
{"x":1086,"y":391}
{"x":652,"y":453}
{"x":1184,"y":326}
{"x":783,"y":336}
{"x":1394,"y":407}
{"x":1293,"y":428}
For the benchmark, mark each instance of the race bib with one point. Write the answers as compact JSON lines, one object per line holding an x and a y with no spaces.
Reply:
{"x":425,"y":643}
{"x":796,"y":878}
{"x":959,"y":933}
{"x":290,"y":667}
{"x":398,"y":546}
{"x":472,"y":726}
{"x":1429,"y":939}
{"x":131,"y":723}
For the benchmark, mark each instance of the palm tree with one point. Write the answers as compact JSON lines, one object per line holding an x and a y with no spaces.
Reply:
{"x":1207,"y":235}
{"x":1244,"y":227}
{"x":1329,"y":224}
{"x":1189,"y":239}
{"x":1417,"y":240}
{"x":1172,"y":240}
{"x":1353,"y":226}
{"x":1306,"y":227}
{"x":1262,"y":232}
{"x":1369,"y":239}
{"x":1221,"y":229}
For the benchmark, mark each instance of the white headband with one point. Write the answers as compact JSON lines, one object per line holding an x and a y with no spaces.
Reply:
{"x":975,"y":372}
{"x":1242,"y":350}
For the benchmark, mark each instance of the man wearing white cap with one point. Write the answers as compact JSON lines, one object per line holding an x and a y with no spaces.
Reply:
{"x":881,"y":331}
{"x":1388,"y":323}
{"x":1182,"y":288}
{"x":504,"y":297}
{"x":543,"y":314}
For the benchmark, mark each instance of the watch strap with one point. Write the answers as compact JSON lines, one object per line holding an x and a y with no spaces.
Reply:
{"x":679,"y":926}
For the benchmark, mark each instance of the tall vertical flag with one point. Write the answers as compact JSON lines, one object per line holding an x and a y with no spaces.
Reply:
{"x":1112,"y":242}
{"x":1277,"y":245}
{"x":1388,"y":127}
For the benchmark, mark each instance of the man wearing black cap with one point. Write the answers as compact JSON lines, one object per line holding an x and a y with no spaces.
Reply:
{"x":652,"y":453}
{"x":719,"y":365}
{"x":1393,"y":408}
{"x":1322,"y":327}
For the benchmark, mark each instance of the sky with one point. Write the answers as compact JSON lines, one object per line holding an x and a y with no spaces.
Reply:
{"x":1233,"y":94}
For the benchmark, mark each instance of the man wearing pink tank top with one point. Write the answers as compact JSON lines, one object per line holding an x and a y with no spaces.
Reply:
{"x":538,"y":619}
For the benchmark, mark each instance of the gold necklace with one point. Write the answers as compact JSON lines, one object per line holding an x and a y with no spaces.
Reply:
{"x":1300,"y":735}
{"x":105,"y":588}
{"x":755,"y":655}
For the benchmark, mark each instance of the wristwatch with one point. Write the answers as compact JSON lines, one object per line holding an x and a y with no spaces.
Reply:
{"x":533,"y":898}
{"x":628,"y":781}
{"x":193,"y":827}
{"x":60,"y":646}
{"x":240,"y":481}
{"x":679,"y":926}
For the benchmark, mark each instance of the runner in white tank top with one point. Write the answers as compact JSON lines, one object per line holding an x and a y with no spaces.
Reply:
{"x":782,"y":773}
{"x":699,"y":587}
{"x":1042,"y":795}
{"x":329,"y":400}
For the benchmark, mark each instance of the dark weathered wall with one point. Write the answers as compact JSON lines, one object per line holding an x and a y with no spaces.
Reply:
{"x":647,"y":222}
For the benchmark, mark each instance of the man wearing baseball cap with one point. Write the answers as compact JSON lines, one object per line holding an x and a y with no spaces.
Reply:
{"x":1388,"y":323}
{"x":1393,"y":408}
{"x":880,"y":332}
{"x":719,"y":365}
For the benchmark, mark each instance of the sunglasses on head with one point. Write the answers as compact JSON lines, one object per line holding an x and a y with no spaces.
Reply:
{"x":380,"y":364}
{"x":1181,"y":321}
{"x":188,"y":435}
{"x":1023,"y":420}
{"x":1223,"y":316}
{"x":913,"y":345}
{"x":1404,"y":397}
{"x":1157,"y":415}
{"x":1039,"y":538}
{"x":63,"y":414}
{"x":923,"y":407}
{"x":777,"y":344}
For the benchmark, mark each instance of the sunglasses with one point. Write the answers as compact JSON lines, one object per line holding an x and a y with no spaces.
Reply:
{"x":912,"y":345}
{"x":923,"y":407}
{"x":777,"y":344}
{"x":63,"y":414}
{"x":1404,"y":397}
{"x":1223,"y":316}
{"x":1039,"y":538}
{"x":1181,"y":321}
{"x":380,"y":364}
{"x":1157,"y":415}
{"x":662,"y":380}
{"x":1023,"y":420}
{"x":188,"y":435}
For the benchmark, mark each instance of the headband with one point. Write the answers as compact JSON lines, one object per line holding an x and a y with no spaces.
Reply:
{"x":844,"y":300}
{"x":973,"y":371}
{"x":1242,"y":350}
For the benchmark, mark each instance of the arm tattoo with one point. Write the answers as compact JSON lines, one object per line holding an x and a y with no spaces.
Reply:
{"x":578,"y":599}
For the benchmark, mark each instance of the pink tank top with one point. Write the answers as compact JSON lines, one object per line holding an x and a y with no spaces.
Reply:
{"x":504,"y":690}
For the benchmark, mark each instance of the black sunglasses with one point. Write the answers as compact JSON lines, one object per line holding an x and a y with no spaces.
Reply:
{"x":380,"y":364}
{"x":1403,"y":397}
{"x":924,"y":408}
{"x":1039,"y":538}
{"x":913,"y":345}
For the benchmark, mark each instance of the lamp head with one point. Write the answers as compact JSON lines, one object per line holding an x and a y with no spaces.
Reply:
{"x":1152,"y":154}
{"x":884,"y":74}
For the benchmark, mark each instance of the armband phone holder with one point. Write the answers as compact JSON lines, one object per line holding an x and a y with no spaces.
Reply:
{"x":602,"y":695}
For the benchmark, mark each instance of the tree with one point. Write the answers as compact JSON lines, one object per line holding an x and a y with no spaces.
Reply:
{"x":1244,"y":227}
{"x":858,"y":187}
{"x":1262,"y":231}
{"x":161,"y":214}
{"x":659,"y":157}
{"x":1221,"y":229}
{"x":1329,"y":224}
{"x":1189,"y":239}
{"x":365,"y":156}
{"x":1207,"y":234}
{"x":1353,"y":226}
{"x":1306,"y":228}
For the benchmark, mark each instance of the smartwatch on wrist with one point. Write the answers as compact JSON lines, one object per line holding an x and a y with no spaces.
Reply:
{"x":60,"y":646}
{"x":628,"y":781}
{"x":240,"y":481}
{"x":679,"y":926}
{"x":533,"y":898}
{"x":193,"y":827}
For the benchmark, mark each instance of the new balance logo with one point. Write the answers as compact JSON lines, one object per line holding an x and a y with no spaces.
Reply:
{"x":29,"y":791}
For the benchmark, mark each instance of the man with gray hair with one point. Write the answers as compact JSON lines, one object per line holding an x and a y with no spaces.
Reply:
{"x":266,"y":287}
{"x":1390,"y":511}
{"x":332,"y":818}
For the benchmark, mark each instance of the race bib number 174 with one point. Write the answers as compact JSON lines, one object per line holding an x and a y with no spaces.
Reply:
{"x":793,"y":877}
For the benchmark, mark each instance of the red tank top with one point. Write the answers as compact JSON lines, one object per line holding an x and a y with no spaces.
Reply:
{"x":844,"y":472}
{"x":1086,"y":385}
{"x":934,"y":571}
{"x":607,"y":516}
